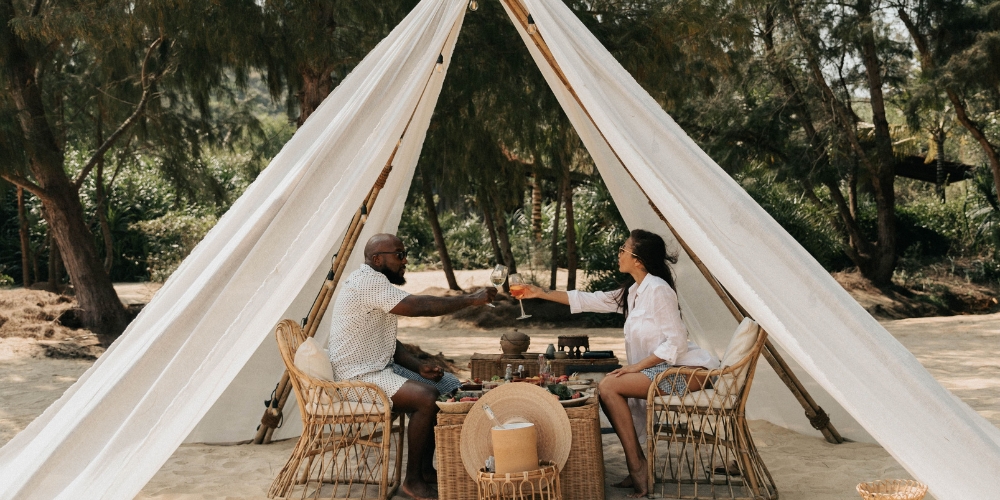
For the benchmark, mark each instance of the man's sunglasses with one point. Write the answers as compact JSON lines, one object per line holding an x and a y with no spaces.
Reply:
{"x":399,"y":255}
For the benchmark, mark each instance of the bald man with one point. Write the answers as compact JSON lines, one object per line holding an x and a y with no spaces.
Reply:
{"x":363,"y":346}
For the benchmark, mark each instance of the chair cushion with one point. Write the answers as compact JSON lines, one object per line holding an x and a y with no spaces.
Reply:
{"x":741,"y":343}
{"x":313,"y":360}
{"x":703,"y":398}
{"x":326,"y":406}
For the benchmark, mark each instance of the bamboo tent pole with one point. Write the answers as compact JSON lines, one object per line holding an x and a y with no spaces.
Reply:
{"x":273,"y":413}
{"x":817,"y":417}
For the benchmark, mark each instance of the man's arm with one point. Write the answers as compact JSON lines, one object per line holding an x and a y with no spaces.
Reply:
{"x":404,"y":358}
{"x":427,"y":305}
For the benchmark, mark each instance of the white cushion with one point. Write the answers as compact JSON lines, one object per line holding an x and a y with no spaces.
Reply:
{"x":313,"y":360}
{"x":741,"y":343}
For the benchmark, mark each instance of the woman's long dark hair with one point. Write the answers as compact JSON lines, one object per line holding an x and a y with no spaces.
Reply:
{"x":649,"y":249}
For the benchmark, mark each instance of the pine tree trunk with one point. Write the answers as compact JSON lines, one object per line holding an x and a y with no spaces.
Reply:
{"x":102,"y":211}
{"x":442,"y":249}
{"x":555,"y":233}
{"x":316,"y":85}
{"x":22,"y":224}
{"x":570,"y":238}
{"x":491,"y":227}
{"x":102,"y":311}
{"x":883,"y":173}
{"x":536,"y":209}
{"x":939,"y":178}
{"x":54,"y":270}
{"x":504,"y":240}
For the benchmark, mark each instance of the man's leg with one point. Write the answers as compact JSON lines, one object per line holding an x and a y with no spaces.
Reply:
{"x":419,"y":400}
{"x":447,"y":385}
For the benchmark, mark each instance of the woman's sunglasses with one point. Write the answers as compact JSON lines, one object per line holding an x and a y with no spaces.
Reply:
{"x":622,"y":250}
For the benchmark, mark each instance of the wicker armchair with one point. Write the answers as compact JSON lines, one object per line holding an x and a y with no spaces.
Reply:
{"x":699,"y":444}
{"x":351,"y":441}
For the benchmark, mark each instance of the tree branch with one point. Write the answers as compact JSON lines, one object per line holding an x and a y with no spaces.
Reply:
{"x":36,"y":8}
{"x":140,"y":108}
{"x":25,"y":184}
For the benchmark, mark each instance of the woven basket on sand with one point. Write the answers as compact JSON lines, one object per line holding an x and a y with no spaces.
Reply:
{"x":892,"y":489}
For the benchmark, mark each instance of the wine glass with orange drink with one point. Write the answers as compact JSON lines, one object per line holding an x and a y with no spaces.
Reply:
{"x":517,"y":288}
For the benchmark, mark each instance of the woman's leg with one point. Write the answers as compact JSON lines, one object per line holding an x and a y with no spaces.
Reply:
{"x":614,"y":394}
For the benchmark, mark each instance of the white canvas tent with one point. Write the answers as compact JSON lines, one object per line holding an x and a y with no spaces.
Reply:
{"x":202,"y":351}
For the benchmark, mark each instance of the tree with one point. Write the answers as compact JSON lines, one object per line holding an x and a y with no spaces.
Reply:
{"x":149,"y":69}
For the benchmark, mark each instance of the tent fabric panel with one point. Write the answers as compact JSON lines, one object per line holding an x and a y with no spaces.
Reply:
{"x":237,"y":412}
{"x":939,"y":439}
{"x":136,"y":405}
{"x":709,"y":321}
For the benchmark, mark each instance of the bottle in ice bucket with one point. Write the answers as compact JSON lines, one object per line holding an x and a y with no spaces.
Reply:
{"x":509,"y":374}
{"x":520,"y":372}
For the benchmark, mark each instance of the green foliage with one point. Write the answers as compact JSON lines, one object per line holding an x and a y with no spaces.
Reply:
{"x":600,"y":231}
{"x":170,"y":238}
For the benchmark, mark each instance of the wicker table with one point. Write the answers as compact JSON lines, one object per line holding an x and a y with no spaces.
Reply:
{"x":582,"y":478}
{"x":485,"y":366}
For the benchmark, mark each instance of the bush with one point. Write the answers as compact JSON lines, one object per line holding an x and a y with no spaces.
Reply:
{"x":171,"y":238}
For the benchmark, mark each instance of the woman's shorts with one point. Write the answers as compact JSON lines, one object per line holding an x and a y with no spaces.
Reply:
{"x":671,"y":384}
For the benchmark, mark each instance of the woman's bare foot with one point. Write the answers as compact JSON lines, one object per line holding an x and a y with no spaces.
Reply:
{"x":638,"y":476}
{"x":624,"y":483}
{"x":418,"y":490}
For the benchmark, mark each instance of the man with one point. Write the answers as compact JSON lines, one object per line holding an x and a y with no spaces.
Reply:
{"x":363,"y":346}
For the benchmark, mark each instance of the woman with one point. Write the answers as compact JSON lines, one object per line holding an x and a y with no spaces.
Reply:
{"x":655,"y":339}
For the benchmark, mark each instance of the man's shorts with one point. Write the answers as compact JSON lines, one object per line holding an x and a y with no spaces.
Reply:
{"x":393,"y":376}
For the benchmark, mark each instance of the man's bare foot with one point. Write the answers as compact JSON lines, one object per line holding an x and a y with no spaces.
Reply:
{"x":624,"y":483}
{"x":638,"y":476}
{"x":430,"y":477}
{"x":418,"y":490}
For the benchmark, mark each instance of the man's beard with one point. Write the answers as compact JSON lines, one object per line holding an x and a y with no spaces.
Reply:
{"x":394,"y":277}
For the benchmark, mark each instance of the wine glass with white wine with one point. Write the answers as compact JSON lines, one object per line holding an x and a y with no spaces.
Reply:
{"x":497,"y":277}
{"x":517,"y":289}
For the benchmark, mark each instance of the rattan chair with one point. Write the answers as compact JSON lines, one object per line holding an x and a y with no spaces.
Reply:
{"x":352,"y":442}
{"x":699,"y":444}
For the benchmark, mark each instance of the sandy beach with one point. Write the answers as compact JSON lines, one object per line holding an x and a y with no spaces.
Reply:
{"x":961,"y":352}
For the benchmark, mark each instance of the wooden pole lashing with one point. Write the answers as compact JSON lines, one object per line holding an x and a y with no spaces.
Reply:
{"x":817,"y":417}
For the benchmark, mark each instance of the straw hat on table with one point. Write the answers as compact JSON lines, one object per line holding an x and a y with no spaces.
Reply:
{"x":517,"y":402}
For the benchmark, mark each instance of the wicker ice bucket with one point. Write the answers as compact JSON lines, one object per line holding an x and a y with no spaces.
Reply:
{"x":893,"y":489}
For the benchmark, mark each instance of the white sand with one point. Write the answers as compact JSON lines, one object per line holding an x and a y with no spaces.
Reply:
{"x":962,"y":352}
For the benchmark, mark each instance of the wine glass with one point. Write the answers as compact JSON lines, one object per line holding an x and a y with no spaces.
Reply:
{"x":497,"y":277}
{"x":517,"y":289}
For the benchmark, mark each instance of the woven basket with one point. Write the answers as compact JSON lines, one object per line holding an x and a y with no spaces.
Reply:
{"x":892,"y":489}
{"x":581,"y":479}
{"x":539,"y":484}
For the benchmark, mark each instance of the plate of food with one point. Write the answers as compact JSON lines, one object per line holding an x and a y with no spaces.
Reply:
{"x":581,"y":400}
{"x":578,"y":387}
{"x":568,"y":397}
{"x":461,"y":402}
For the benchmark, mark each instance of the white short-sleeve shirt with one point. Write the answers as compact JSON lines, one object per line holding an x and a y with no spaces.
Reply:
{"x":362,"y":330}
